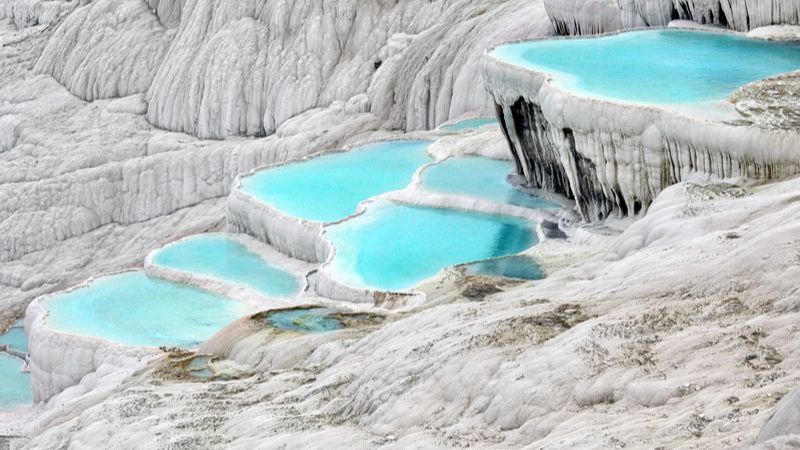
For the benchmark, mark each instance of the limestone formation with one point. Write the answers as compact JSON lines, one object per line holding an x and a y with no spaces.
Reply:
{"x":615,"y":158}
{"x":671,"y":322}
{"x":583,"y":17}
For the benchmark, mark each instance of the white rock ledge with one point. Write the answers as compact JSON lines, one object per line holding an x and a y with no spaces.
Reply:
{"x":230,"y":289}
{"x":60,"y":360}
{"x":306,"y":240}
{"x":614,"y":157}
{"x":292,"y":236}
{"x":576,"y":17}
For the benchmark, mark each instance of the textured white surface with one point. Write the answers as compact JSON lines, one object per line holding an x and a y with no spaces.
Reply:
{"x":108,"y":48}
{"x":60,"y":360}
{"x":679,"y":335}
{"x":615,"y":158}
{"x":299,"y":269}
{"x":603,"y":16}
{"x":691,"y":314}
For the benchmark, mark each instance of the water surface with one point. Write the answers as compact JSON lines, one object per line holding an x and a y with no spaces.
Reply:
{"x":15,"y":385}
{"x":519,"y":267}
{"x":224,"y":258}
{"x":330,"y":187}
{"x":311,"y":320}
{"x":134,"y":309}
{"x":15,"y":337}
{"x":395,"y":247}
{"x":480,"y":177}
{"x":656,"y":66}
{"x":469,"y":124}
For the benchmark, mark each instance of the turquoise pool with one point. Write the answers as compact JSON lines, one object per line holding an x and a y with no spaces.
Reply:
{"x":15,"y":337}
{"x":311,"y":320}
{"x":224,"y":258}
{"x":395,"y":247}
{"x":330,"y":187}
{"x":519,"y":267}
{"x":15,"y":386}
{"x":469,"y":124}
{"x":655,"y":66}
{"x":480,"y":177}
{"x":132,"y":308}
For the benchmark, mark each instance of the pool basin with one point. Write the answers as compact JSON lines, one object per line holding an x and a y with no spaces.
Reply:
{"x":665,"y":66}
{"x":393,"y":247}
{"x":134,"y":309}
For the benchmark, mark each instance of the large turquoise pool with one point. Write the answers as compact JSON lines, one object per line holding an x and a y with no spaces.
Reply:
{"x":655,"y":66}
{"x":224,"y":258}
{"x":15,"y":385}
{"x":330,"y":187}
{"x":395,"y":247}
{"x":480,"y":177}
{"x":132,"y":308}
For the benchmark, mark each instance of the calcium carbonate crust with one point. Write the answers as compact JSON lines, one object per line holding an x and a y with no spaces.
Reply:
{"x":60,"y":360}
{"x":305,"y":239}
{"x":585,"y":17}
{"x":613,"y":158}
{"x":298,"y":269}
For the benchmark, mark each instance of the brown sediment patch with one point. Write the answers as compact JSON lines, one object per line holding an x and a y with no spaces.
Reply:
{"x":183,"y":366}
{"x":522,"y":331}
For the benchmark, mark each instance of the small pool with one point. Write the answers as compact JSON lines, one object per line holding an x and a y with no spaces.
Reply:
{"x":469,"y":124}
{"x":395,"y":247}
{"x":480,"y":177}
{"x":330,"y":187}
{"x":310,"y":320}
{"x":519,"y":267}
{"x":224,"y":258}
{"x":199,"y":367}
{"x":15,"y":337}
{"x":134,"y":309}
{"x":15,"y":385}
{"x":655,"y":66}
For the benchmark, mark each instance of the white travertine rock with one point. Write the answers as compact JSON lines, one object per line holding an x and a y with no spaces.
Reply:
{"x":776,"y":33}
{"x":615,"y":158}
{"x":625,"y":348}
{"x":60,"y":360}
{"x":244,"y":69}
{"x":576,"y":17}
{"x":168,"y":11}
{"x":245,"y":294}
{"x":684,"y":333}
{"x":107,"y":48}
{"x":785,"y":421}
{"x":31,"y":13}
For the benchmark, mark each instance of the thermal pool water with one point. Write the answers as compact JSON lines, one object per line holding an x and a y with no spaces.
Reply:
{"x":330,"y":187}
{"x":224,"y":258}
{"x":394,"y":247}
{"x":135,"y":309}
{"x":655,"y":66}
